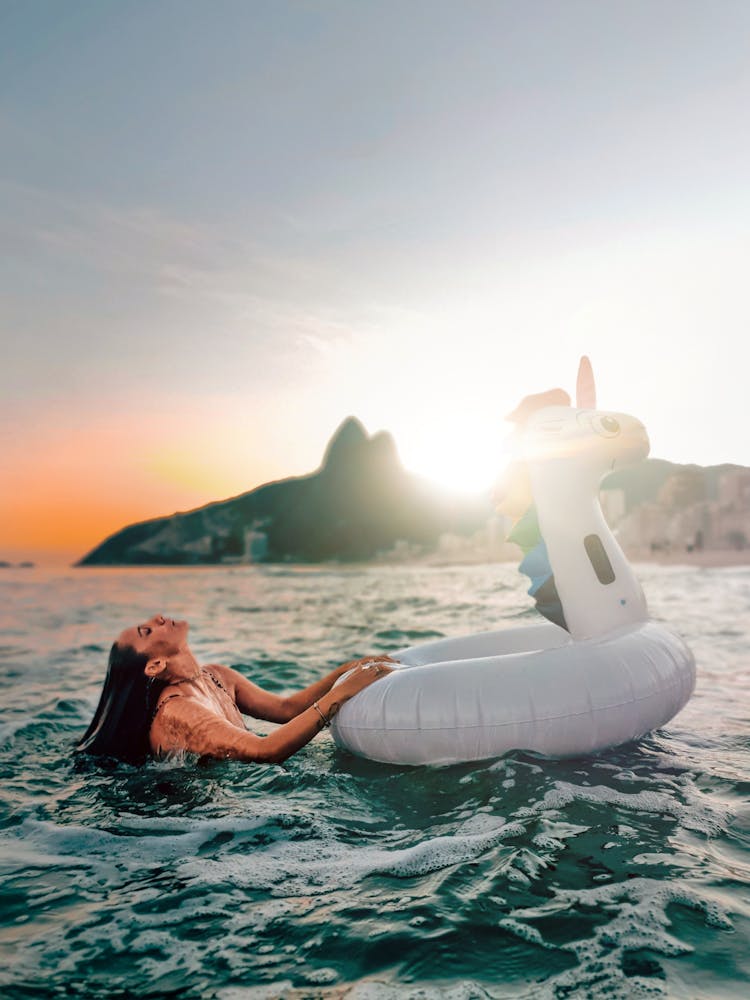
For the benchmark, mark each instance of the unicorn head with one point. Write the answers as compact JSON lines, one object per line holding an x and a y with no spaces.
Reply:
{"x":594,"y":441}
{"x":568,"y":450}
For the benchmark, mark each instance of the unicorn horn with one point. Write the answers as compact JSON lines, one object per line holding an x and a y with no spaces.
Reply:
{"x":585,"y":386}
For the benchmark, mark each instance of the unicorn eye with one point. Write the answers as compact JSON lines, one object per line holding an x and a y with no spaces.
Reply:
{"x":606,"y":426}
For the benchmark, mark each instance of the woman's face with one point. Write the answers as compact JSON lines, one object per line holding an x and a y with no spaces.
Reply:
{"x":158,"y":637}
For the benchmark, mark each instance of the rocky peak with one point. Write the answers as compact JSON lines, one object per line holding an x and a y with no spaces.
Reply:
{"x":383,"y":450}
{"x":351,"y":452}
{"x":348,"y":443}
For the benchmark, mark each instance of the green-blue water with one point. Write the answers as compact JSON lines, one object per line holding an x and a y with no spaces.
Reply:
{"x":623,"y":875}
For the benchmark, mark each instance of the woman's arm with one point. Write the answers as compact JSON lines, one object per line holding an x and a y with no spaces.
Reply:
{"x":251,"y":699}
{"x":186,"y":725}
{"x":300,"y":701}
{"x":260,"y":704}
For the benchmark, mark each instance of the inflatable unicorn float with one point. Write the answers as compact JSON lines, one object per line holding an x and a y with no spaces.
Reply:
{"x":596,"y":675}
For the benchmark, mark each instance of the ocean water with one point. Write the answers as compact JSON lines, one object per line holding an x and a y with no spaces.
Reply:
{"x":621,"y":875}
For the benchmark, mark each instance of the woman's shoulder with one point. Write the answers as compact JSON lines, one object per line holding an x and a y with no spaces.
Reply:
{"x":170,"y":694}
{"x":176,"y":713}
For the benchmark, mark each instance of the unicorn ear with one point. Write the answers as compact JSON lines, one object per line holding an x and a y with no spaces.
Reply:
{"x":585,"y":387}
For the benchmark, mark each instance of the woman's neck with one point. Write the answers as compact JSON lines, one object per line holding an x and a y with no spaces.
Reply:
{"x":195,"y":679}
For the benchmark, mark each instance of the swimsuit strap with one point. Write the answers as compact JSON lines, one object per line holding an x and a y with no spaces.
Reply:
{"x":216,"y":681}
{"x":162,"y":703}
{"x":176,"y":694}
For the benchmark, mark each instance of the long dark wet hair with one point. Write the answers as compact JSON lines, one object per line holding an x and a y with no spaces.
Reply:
{"x":125,"y":711}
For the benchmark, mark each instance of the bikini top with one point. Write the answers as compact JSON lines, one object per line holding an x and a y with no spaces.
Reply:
{"x":176,"y":694}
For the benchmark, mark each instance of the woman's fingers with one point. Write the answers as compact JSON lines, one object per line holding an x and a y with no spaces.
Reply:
{"x":376,"y":658}
{"x":375,"y":670}
{"x":377,"y":666}
{"x":362,"y":676}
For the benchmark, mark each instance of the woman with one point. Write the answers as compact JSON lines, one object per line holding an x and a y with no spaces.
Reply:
{"x":158,"y":699}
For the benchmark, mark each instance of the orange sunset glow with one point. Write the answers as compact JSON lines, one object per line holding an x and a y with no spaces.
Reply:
{"x":69,"y":486}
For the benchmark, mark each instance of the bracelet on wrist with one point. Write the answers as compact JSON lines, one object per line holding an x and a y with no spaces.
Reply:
{"x":326,"y":722}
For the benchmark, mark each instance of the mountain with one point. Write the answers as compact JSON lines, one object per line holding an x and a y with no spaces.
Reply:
{"x":360,"y":501}
{"x":643,"y":483}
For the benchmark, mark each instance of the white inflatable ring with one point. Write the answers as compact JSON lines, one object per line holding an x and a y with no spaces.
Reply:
{"x":533,"y":688}
{"x":611,"y":677}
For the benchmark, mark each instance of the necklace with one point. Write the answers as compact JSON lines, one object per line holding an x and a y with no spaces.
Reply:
{"x":183,"y":681}
{"x":216,"y":680}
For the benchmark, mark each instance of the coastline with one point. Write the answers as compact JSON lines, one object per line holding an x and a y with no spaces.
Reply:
{"x":458,"y":556}
{"x":706,"y":558}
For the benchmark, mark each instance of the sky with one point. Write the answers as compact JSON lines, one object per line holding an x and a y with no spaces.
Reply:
{"x":225,"y":226}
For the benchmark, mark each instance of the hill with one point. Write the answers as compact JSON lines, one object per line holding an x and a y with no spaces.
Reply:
{"x":361,"y":502}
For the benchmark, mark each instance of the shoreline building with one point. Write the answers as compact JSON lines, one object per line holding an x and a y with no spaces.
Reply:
{"x":683,"y":519}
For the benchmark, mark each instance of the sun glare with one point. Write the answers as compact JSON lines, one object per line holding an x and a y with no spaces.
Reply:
{"x":460,"y":462}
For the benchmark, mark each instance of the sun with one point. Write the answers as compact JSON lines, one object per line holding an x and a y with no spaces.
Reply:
{"x":458,"y":460}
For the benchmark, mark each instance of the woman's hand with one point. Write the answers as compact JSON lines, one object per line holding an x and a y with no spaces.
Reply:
{"x":365,"y":672}
{"x":299,"y":702}
{"x":351,"y":664}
